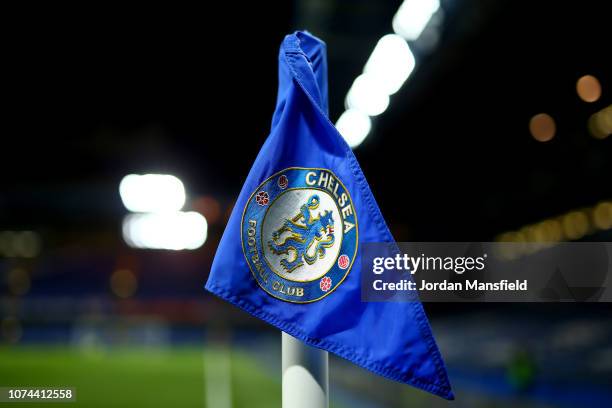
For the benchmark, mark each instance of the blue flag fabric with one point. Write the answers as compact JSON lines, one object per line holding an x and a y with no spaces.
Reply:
{"x":289,"y":254}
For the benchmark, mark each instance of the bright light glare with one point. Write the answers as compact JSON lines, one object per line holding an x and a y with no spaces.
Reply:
{"x":354,"y":126}
{"x":168,"y":230}
{"x":365,"y":95}
{"x":390,"y":64}
{"x":152,"y":193}
{"x":412,"y":17}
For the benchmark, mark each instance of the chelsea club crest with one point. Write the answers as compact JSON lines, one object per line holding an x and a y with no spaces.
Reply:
{"x":299,"y":234}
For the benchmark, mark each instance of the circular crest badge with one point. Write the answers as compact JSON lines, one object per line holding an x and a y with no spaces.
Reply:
{"x":299,"y":234}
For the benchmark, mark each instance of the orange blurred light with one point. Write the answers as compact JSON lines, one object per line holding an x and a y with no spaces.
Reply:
{"x":542,"y":127}
{"x":208,"y":207}
{"x":575,"y":225}
{"x":123,"y":283}
{"x":602,"y":215}
{"x":588,"y":88}
{"x":600,"y":123}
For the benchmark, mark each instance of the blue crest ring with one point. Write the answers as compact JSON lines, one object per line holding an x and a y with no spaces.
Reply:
{"x":319,"y":275}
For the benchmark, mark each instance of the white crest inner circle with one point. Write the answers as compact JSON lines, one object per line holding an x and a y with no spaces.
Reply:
{"x":299,"y":248}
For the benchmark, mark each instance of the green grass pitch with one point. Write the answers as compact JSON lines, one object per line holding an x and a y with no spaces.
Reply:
{"x":133,"y":377}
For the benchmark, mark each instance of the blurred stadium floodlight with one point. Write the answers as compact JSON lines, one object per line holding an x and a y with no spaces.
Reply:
{"x":388,"y":67}
{"x":152,"y":193}
{"x":390,"y":64}
{"x":168,"y":230}
{"x":354,"y":126}
{"x":412,"y":17}
{"x":367,"y":96}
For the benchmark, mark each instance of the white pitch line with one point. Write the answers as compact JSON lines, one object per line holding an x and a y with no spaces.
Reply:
{"x":217,"y":377}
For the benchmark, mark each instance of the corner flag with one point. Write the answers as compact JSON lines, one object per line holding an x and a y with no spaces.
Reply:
{"x":290,"y":252}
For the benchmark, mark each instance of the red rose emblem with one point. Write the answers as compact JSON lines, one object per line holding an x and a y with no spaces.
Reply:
{"x":262,"y":198}
{"x":325,"y":283}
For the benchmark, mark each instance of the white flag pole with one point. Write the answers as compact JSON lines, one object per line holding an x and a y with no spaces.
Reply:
{"x":305,"y":375}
